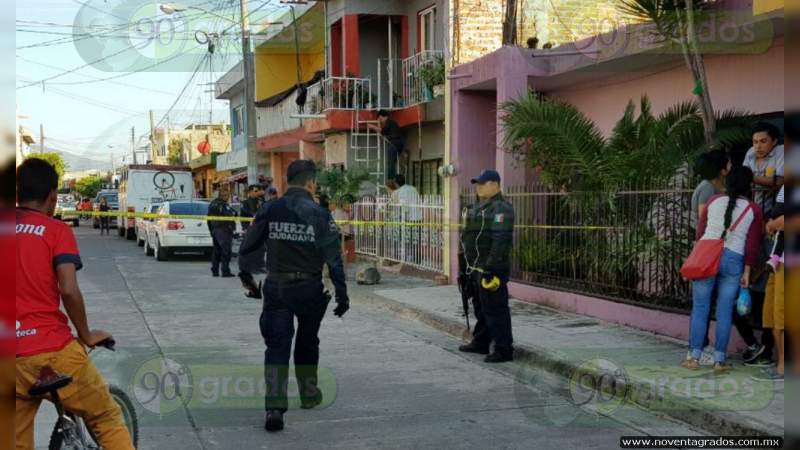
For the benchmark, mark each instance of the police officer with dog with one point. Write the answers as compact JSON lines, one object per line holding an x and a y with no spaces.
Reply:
{"x":221,"y":234}
{"x":484,"y":267}
{"x":299,"y":237}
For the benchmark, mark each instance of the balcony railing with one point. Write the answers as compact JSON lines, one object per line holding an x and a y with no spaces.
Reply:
{"x":415,"y":90}
{"x":342,"y":93}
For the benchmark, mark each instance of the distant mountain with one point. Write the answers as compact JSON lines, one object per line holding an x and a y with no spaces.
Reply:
{"x":77,"y":163}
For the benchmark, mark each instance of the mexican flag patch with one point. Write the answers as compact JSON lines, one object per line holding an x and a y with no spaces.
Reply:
{"x":499,"y":218}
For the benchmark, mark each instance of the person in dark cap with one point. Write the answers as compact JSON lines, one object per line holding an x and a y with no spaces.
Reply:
{"x":255,"y":197}
{"x":299,"y":237}
{"x":272,"y":194}
{"x":221,"y":234}
{"x":484,"y":266}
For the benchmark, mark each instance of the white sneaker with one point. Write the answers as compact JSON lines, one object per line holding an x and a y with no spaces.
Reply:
{"x":707,"y":357}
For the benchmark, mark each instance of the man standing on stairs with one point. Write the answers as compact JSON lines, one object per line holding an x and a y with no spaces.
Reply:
{"x":484,"y":267}
{"x":394,"y":140}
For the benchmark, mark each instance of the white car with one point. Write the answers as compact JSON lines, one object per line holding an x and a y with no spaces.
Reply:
{"x":66,"y":210}
{"x":142,"y":223}
{"x":165,"y":236}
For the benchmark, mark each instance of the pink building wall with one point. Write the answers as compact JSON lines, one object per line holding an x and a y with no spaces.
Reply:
{"x":752,"y":83}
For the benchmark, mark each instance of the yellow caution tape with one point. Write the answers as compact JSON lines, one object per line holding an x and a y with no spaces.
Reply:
{"x":361,"y":223}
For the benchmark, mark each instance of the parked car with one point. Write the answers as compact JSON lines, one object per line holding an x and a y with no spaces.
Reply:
{"x":167,"y":235}
{"x":113,"y":202}
{"x":142,"y":223}
{"x":64,"y":208}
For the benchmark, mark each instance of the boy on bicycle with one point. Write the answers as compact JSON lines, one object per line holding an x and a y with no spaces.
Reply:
{"x":47,"y":262}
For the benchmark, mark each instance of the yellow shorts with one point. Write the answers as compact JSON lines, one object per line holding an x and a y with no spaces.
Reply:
{"x":774,"y":304}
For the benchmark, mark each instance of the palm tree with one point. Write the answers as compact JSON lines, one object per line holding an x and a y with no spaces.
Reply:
{"x":643,"y":151}
{"x":575,"y":155}
{"x":675,"y":21}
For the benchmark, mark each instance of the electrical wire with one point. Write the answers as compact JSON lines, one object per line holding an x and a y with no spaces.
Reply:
{"x":188,"y":82}
{"x":121,"y":75}
{"x":92,"y":77}
{"x":75,"y":69}
{"x":93,"y":102}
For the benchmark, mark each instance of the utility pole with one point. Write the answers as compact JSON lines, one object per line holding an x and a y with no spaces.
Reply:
{"x":249,"y":96}
{"x":133,"y":144}
{"x":41,"y":138}
{"x":152,"y":154}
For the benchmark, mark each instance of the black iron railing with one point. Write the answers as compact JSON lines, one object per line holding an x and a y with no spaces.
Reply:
{"x":626,"y":245}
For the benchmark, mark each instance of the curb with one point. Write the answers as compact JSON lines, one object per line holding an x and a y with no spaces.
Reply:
{"x":637,"y":392}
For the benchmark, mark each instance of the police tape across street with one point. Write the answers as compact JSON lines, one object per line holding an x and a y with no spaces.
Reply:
{"x":143,"y":215}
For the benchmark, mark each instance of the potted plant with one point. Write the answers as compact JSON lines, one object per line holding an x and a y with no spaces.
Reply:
{"x":432,"y":74}
{"x":341,"y":186}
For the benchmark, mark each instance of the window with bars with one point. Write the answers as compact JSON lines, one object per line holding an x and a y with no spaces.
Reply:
{"x":425,"y":176}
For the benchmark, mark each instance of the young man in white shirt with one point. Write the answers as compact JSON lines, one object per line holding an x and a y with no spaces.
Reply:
{"x":765,"y":159}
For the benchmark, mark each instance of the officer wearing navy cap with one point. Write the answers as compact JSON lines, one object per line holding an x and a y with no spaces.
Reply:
{"x":484,"y":267}
{"x":299,"y":238}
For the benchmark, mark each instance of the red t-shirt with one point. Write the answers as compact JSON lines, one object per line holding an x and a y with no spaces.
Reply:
{"x":43,"y":243}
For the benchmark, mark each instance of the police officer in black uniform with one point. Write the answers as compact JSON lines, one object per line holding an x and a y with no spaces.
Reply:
{"x":221,"y":234}
{"x":299,"y":238}
{"x":484,"y":266}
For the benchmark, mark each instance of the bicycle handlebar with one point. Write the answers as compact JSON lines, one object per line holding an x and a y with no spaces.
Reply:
{"x":108,"y":344}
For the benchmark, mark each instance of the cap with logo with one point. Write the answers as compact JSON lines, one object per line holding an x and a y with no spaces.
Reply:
{"x":486,"y":175}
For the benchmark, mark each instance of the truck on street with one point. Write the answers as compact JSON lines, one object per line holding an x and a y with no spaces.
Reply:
{"x":143,"y":184}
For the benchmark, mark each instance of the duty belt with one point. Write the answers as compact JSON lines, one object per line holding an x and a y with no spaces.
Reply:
{"x":292,"y":276}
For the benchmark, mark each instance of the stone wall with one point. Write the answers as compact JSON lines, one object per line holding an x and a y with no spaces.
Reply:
{"x":477,"y":25}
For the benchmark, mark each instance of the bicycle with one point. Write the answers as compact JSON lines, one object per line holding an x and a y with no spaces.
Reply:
{"x":70,"y":431}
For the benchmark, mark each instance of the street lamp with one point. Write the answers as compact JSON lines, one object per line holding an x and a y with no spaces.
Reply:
{"x":172,"y":8}
{"x":249,"y":80}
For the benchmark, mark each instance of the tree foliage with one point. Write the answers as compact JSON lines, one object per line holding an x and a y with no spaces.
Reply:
{"x":55,"y":159}
{"x":574,"y":154}
{"x":90,"y":186}
{"x":175,"y":152}
{"x":341,"y":185}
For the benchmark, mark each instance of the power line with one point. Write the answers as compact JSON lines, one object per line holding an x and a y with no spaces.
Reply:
{"x":93,"y":102}
{"x":92,"y":77}
{"x":114,"y":77}
{"x":188,"y":82}
{"x":71,"y":37}
{"x":75,"y":69}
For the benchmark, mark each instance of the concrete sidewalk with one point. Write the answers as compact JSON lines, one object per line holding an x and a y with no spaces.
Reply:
{"x":606,"y":366}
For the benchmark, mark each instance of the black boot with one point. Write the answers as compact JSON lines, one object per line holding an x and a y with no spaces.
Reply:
{"x":311,"y":402}
{"x":474,"y":347}
{"x":274,"y":420}
{"x":214,"y":273}
{"x":500,"y":355}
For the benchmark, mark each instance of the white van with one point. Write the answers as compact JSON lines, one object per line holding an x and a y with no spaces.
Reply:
{"x":141,"y":185}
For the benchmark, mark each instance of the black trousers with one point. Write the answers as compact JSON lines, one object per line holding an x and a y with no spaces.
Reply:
{"x":222,"y":241}
{"x":283,"y":302}
{"x":492,"y":314}
{"x":105,"y":225}
{"x":745,"y":326}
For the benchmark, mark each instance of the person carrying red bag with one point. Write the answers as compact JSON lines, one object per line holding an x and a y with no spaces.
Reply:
{"x":738,"y":222}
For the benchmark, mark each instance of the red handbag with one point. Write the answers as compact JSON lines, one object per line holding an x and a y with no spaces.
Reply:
{"x":705,"y":258}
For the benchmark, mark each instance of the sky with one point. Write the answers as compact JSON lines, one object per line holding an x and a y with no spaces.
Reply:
{"x":151,"y":57}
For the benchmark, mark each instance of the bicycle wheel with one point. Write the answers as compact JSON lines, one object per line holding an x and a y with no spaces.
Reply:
{"x":128,"y":416}
{"x":128,"y":413}
{"x":76,"y":439}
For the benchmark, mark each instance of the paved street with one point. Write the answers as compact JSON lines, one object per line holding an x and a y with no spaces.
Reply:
{"x":389,"y":382}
